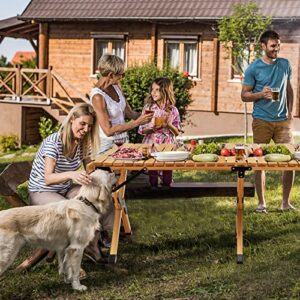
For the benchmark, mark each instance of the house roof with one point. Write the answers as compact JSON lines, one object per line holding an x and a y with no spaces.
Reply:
{"x":12,"y":27}
{"x":151,"y":9}
{"x":21,"y":56}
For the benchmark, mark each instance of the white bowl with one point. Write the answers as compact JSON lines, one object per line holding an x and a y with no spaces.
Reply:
{"x":171,"y":155}
{"x":297,"y":154}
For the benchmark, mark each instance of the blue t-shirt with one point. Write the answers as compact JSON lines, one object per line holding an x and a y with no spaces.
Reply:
{"x":52,"y":147}
{"x":258,"y":75}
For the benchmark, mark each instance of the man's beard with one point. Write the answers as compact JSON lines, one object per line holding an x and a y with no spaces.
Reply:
{"x":272,"y":55}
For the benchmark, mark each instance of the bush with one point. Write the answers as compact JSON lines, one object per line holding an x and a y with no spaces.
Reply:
{"x":9,"y":142}
{"x":46,"y":127}
{"x":136,"y":85}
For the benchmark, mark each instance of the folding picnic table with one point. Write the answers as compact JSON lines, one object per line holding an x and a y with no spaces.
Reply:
{"x":223,"y":164}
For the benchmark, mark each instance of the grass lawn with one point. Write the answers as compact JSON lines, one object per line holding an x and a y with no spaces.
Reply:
{"x":185,"y":249}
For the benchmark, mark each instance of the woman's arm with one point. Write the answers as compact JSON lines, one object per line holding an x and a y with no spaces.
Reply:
{"x":129,"y":113}
{"x":101,"y":110}
{"x":80,"y":177}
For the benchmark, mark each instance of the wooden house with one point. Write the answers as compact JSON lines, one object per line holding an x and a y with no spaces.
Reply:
{"x":72,"y":35}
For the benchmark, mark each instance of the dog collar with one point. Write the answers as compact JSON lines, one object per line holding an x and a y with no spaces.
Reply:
{"x":89,"y":203}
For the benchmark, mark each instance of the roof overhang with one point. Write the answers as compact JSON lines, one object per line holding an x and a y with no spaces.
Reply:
{"x":16,"y":28}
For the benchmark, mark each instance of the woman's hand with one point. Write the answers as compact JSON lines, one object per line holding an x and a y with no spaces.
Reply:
{"x":81,"y":177}
{"x":144,"y":119}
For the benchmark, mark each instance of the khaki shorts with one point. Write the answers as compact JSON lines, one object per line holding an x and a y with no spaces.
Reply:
{"x":265,"y":131}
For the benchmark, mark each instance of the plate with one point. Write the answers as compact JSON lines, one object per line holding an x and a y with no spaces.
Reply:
{"x":128,"y":158}
{"x":171,"y":155}
{"x":297,"y":155}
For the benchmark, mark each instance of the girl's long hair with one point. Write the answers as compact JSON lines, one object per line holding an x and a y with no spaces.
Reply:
{"x":90,"y":142}
{"x":166,"y":91}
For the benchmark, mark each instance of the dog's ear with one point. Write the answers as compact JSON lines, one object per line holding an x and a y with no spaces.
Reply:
{"x":73,"y":214}
{"x":104,"y":192}
{"x":112,"y":179}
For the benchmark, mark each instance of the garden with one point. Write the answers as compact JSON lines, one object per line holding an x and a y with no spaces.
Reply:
{"x":182,"y":249}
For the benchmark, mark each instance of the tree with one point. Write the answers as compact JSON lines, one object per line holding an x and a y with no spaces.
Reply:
{"x":240,"y":34}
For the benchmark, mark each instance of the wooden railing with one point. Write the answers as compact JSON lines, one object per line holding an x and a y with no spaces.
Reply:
{"x":38,"y":86}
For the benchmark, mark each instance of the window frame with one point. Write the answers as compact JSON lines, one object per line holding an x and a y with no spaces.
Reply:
{"x":108,"y":37}
{"x":183,"y":39}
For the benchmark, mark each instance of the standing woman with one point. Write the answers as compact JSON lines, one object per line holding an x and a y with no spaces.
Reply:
{"x":56,"y":174}
{"x":111,"y":106}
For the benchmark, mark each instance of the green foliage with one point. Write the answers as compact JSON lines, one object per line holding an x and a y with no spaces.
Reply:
{"x":212,"y":148}
{"x":4,"y":62}
{"x":241,"y":31}
{"x":8,"y":142}
{"x":47,"y":127}
{"x":281,"y":149}
{"x":30,"y":63}
{"x":137,"y":81}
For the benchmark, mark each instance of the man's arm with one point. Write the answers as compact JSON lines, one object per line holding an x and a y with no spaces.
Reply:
{"x":290,"y":99}
{"x":247,"y":94}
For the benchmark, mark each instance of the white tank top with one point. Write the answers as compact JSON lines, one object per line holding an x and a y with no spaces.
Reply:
{"x":116,"y":113}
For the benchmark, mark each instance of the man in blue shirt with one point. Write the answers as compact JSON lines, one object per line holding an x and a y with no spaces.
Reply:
{"x":272,"y":115}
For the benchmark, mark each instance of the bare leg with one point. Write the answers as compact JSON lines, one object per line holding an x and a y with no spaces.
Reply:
{"x":287,"y":184}
{"x":260,"y":183}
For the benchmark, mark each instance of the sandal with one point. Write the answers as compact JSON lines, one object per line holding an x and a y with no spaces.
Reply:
{"x":289,"y":208}
{"x":261,"y":209}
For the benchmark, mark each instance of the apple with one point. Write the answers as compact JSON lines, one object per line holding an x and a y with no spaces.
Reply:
{"x":232,"y":152}
{"x":225,"y":152}
{"x":258,"y":152}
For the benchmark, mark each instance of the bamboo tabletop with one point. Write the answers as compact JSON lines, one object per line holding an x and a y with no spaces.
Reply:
{"x":223,"y":163}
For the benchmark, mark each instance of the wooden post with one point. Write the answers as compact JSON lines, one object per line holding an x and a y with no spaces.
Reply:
{"x":43,"y":51}
{"x":154,"y":43}
{"x":215,"y":76}
{"x":18,"y":83}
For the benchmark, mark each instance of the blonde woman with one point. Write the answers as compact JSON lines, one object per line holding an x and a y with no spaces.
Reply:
{"x":111,"y":106}
{"x":56,"y":173}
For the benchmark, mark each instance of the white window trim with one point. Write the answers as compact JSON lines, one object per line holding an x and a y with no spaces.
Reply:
{"x":106,"y":36}
{"x":181,"y":37}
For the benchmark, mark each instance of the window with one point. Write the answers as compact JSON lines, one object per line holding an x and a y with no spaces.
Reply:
{"x":240,"y":64}
{"x":183,"y":54}
{"x":108,"y":43}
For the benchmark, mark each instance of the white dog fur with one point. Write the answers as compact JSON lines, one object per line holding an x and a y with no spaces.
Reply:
{"x":66,"y":227}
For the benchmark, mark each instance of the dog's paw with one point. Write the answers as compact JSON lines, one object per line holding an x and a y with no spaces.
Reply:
{"x":79,"y":287}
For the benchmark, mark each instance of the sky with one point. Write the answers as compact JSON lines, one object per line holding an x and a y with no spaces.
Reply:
{"x":9,"y":46}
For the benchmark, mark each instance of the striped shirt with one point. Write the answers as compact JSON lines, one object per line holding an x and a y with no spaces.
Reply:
{"x":52,"y":147}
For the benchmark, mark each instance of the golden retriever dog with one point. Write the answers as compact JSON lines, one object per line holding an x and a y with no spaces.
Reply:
{"x":66,"y":227}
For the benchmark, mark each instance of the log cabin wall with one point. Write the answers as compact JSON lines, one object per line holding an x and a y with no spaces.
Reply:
{"x":71,"y":55}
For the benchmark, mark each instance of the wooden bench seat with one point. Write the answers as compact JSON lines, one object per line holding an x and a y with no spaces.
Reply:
{"x":188,"y":190}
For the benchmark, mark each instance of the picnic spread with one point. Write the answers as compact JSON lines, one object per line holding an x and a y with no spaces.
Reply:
{"x":140,"y":157}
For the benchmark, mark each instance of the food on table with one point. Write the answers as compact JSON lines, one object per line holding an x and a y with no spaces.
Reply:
{"x":211,"y":148}
{"x":225,"y":152}
{"x":278,"y":157}
{"x":207,"y":157}
{"x":280,"y":149}
{"x":258,"y":152}
{"x":130,"y":153}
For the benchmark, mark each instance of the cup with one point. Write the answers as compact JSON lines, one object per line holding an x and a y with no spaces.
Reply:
{"x":240,"y":152}
{"x":159,"y":121}
{"x":275,"y":93}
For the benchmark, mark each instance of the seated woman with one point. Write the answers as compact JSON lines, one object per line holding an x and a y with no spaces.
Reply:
{"x":56,"y":173}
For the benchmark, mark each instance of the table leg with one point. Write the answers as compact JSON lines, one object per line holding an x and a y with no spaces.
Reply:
{"x":120,"y":214}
